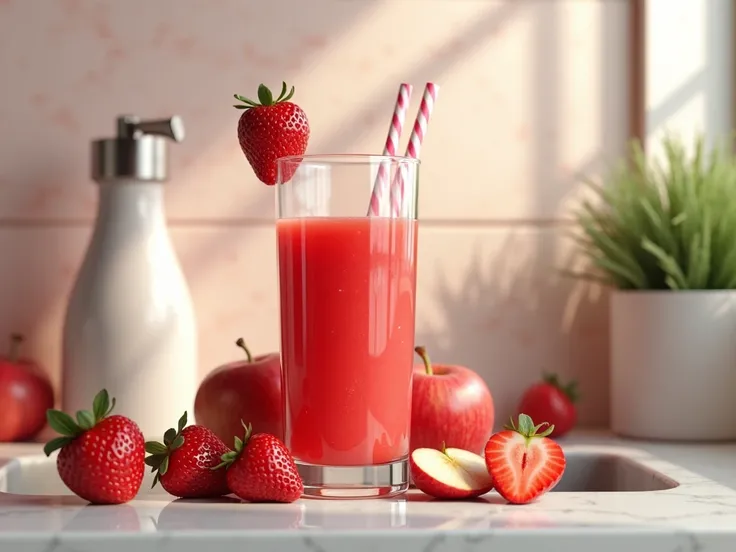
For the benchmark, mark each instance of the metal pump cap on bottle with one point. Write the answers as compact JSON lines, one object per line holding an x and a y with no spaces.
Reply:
{"x":138,"y":152}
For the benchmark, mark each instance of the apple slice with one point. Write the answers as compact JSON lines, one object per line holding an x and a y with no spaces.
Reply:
{"x":450,"y":473}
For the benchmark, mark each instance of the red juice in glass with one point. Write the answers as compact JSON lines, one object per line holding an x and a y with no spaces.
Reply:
{"x":347,"y":295}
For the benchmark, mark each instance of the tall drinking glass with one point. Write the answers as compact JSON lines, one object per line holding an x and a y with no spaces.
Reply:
{"x":347,"y":286}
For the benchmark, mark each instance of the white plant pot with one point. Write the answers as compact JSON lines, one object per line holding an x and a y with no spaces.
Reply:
{"x":673,"y":365}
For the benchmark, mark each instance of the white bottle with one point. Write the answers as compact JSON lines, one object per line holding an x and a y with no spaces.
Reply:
{"x":130,"y":325}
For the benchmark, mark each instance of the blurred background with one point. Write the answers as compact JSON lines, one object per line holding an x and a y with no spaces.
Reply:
{"x":535,"y":94}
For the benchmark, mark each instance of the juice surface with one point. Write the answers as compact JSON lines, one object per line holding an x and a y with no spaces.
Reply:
{"x":347,"y":337}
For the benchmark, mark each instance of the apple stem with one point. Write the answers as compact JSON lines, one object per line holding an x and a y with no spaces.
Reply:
{"x":15,"y":341}
{"x":241,"y":343}
{"x":422,"y":352}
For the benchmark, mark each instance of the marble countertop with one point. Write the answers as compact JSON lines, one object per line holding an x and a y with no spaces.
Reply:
{"x":698,"y":515}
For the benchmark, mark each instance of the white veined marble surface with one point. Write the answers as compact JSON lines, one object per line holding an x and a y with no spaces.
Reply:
{"x":698,"y":515}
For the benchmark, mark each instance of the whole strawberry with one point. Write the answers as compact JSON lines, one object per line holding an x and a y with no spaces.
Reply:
{"x":101,"y":457}
{"x":261,"y":469}
{"x":183,"y":462}
{"x":550,"y":400}
{"x":271,"y":129}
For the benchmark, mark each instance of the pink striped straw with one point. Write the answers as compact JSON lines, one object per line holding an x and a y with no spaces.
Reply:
{"x":431,"y":90}
{"x":381,"y":186}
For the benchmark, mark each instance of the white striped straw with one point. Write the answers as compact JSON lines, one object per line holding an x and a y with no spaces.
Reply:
{"x":381,"y":186}
{"x":413,"y":148}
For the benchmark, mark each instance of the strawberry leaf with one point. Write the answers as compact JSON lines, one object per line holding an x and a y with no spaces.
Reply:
{"x":85,"y":419}
{"x":289,"y":95}
{"x":155,"y":480}
{"x":164,"y":466}
{"x":283,"y":92}
{"x":55,"y":444}
{"x":227,"y":459}
{"x":245,"y":100}
{"x":154,"y":447}
{"x":101,"y":405}
{"x":526,"y":425}
{"x":182,"y":422}
{"x":547,"y":432}
{"x":177,"y":442}
{"x":264,"y":95}
{"x":169,"y":436}
{"x":154,"y":461}
{"x":220,"y":465}
{"x":511,"y":425}
{"x":62,"y":423}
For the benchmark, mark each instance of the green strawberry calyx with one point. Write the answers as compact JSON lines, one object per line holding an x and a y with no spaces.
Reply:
{"x":570,"y":390}
{"x":265,"y":97}
{"x":70,"y":428}
{"x":160,"y":452}
{"x":526,"y":428}
{"x":227,"y":459}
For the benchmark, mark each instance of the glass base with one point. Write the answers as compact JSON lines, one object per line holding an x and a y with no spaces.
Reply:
{"x":346,"y":482}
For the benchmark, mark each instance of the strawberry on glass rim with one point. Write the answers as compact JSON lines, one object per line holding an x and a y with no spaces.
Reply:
{"x":524,"y":462}
{"x":271,"y":129}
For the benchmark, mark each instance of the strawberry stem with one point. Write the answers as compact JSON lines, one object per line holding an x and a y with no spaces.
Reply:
{"x":15,"y":341}
{"x":241,"y":343}
{"x":422,"y":352}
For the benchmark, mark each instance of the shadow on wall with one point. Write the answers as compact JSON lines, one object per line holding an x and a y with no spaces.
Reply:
{"x":511,"y":321}
{"x":514,"y":317}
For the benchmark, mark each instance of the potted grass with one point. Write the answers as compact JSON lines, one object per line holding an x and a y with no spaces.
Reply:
{"x":663,"y":235}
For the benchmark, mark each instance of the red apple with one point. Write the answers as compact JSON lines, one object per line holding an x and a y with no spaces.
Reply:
{"x":25,"y":395}
{"x":450,"y":473}
{"x":450,"y":404}
{"x":248,"y":390}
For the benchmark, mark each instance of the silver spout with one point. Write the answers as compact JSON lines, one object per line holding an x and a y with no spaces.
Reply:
{"x":130,"y":126}
{"x":138,"y":151}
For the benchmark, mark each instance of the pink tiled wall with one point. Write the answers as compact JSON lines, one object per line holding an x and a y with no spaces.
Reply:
{"x":533,"y":93}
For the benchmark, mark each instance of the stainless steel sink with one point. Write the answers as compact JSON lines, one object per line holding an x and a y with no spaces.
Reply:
{"x":586,"y":472}
{"x":610,"y":473}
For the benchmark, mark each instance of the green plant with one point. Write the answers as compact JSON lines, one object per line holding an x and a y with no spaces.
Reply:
{"x":668,"y":225}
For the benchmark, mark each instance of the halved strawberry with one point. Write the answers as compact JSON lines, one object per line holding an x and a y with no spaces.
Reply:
{"x":523,"y":463}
